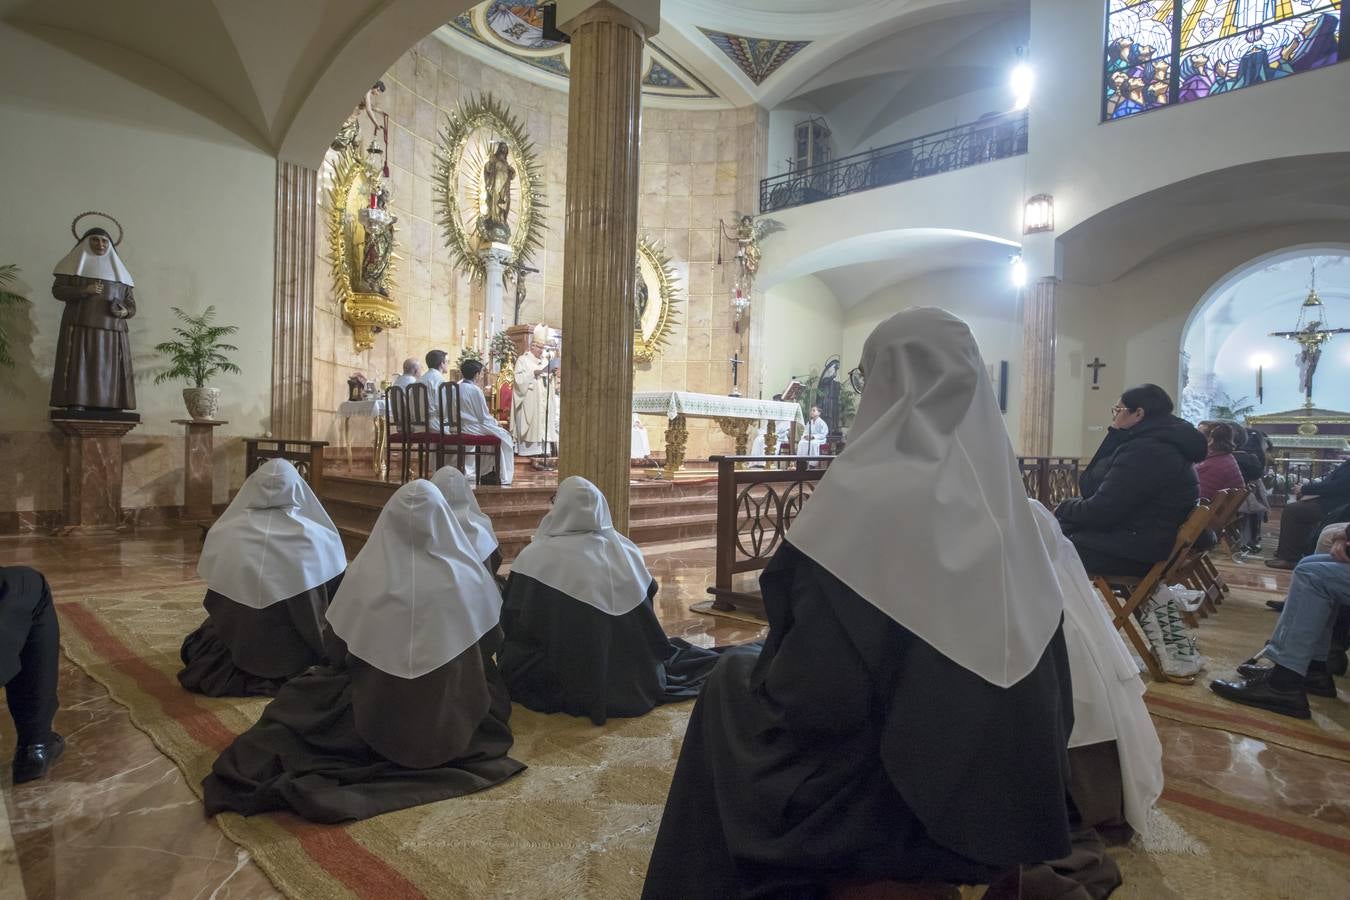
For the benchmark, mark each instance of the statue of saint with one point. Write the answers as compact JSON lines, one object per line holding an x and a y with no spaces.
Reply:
{"x":496,"y":206}
{"x":377,"y":246}
{"x":747,"y":246}
{"x":93,"y":350}
{"x":640,"y":300}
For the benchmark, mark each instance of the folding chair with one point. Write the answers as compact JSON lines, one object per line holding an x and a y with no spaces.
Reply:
{"x":1199,"y":572}
{"x":1138,"y":590}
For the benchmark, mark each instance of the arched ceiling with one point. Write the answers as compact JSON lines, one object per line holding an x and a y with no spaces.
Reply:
{"x":1292,"y":189}
{"x":283,"y":75}
{"x":858,"y":267}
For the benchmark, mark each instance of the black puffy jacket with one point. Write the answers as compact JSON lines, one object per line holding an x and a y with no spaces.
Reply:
{"x":1137,"y":490}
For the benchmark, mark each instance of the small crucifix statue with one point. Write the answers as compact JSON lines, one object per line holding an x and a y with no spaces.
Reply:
{"x":736,"y":363}
{"x":1310,"y":334}
{"x":1096,"y":366}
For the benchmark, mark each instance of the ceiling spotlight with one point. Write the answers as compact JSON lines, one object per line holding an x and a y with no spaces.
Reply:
{"x":1019,"y":272}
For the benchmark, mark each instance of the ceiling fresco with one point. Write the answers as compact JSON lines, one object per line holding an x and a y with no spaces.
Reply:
{"x":757,"y":57}
{"x":516,"y":29}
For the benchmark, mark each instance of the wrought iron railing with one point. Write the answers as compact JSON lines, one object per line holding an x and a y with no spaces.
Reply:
{"x":1049,"y":479}
{"x":997,"y":137}
{"x":1285,"y":474}
{"x":755,"y":508}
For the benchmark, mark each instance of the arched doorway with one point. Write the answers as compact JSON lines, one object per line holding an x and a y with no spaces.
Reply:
{"x":1227,"y":339}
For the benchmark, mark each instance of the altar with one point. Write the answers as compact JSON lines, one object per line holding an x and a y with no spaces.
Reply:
{"x":734,"y":415}
{"x":372,"y":409}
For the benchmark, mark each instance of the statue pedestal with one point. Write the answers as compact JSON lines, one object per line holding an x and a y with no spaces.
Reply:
{"x":495,"y":257}
{"x":93,"y":472}
{"x":198,"y":468}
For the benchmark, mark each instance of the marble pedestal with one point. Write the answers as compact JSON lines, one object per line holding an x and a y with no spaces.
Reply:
{"x":198,"y":467}
{"x":93,"y":473}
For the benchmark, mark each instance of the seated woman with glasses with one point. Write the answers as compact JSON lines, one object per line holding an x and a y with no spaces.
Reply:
{"x":1139,"y":487}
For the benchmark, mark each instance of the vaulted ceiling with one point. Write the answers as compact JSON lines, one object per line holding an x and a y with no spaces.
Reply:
{"x":283,"y":75}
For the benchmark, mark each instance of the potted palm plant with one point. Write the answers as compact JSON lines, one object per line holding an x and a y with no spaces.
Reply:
{"x":195,"y":357}
{"x":8,"y":275}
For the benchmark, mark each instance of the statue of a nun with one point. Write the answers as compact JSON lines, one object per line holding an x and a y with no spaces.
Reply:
{"x":93,"y":352}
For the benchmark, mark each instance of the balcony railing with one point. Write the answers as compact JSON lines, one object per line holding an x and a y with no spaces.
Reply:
{"x":997,"y":137}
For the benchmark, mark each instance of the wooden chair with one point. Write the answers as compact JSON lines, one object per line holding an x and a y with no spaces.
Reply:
{"x":400,"y":432}
{"x":1139,"y":589}
{"x":1199,"y":571}
{"x":452,"y":434}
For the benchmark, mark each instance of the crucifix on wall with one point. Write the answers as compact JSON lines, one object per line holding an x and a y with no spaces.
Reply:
{"x":1096,"y":366}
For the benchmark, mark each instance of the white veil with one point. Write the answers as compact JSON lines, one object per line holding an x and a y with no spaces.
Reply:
{"x":924,"y":514}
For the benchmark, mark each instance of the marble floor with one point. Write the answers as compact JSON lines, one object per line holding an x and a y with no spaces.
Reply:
{"x":117,"y":819}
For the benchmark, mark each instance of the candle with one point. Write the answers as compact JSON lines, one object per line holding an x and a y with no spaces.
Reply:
{"x":462,"y":342}
{"x":1259,"y":392}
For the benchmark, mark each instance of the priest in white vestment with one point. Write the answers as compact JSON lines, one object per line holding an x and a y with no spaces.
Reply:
{"x":529,"y":399}
{"x":437,"y":367}
{"x":814,"y":436}
{"x":640,"y":447}
{"x":476,"y":418}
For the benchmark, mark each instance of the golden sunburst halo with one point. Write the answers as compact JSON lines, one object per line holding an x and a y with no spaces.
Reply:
{"x":654,"y":261}
{"x":459,"y":164}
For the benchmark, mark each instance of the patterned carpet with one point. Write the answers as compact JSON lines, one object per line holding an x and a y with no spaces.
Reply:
{"x":579,"y":823}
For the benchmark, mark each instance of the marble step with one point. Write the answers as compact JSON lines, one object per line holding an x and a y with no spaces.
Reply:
{"x":644,"y":533}
{"x":362,"y":514}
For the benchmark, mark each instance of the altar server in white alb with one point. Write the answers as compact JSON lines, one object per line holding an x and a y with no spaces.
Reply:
{"x":529,"y":400}
{"x":782,"y":433}
{"x":640,"y":447}
{"x":437,"y":368}
{"x":411,"y":370}
{"x":476,"y":418}
{"x":271,"y":564}
{"x":814,"y":436}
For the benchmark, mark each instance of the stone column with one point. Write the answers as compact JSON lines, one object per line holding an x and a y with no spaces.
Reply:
{"x":495,"y":257}
{"x":1038,"y":368}
{"x":293,"y":300}
{"x":604,"y":112}
{"x":93,"y":473}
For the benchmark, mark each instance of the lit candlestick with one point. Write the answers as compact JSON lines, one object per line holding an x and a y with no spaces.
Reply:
{"x":1260,"y":393}
{"x":462,"y":338}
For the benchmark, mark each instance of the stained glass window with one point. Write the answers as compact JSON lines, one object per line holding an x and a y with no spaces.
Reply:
{"x":1155,"y":57}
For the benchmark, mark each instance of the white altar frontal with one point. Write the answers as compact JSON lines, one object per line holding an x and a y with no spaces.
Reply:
{"x":734,"y":415}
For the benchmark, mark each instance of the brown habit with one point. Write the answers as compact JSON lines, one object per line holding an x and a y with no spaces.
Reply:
{"x":93,"y":352}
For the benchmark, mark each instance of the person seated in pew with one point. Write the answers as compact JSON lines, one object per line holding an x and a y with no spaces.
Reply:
{"x":410,"y":709}
{"x":272,"y":563}
{"x":1338,"y":663}
{"x":1138,"y":489}
{"x":908,"y":716}
{"x":1320,"y":502}
{"x":477,"y":419}
{"x":1115,"y":758}
{"x":412,"y":370}
{"x":30,"y":659}
{"x":814,"y":436}
{"x":1219,"y":470}
{"x":454,"y":486}
{"x":1298,"y":650}
{"x":581,"y":634}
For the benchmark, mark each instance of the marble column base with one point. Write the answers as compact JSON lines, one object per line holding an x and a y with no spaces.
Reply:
{"x":93,"y":474}
{"x":198,"y":467}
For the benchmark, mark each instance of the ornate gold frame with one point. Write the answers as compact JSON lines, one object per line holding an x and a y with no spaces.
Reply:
{"x":364,"y":312}
{"x":486,"y":111}
{"x":648,"y":349}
